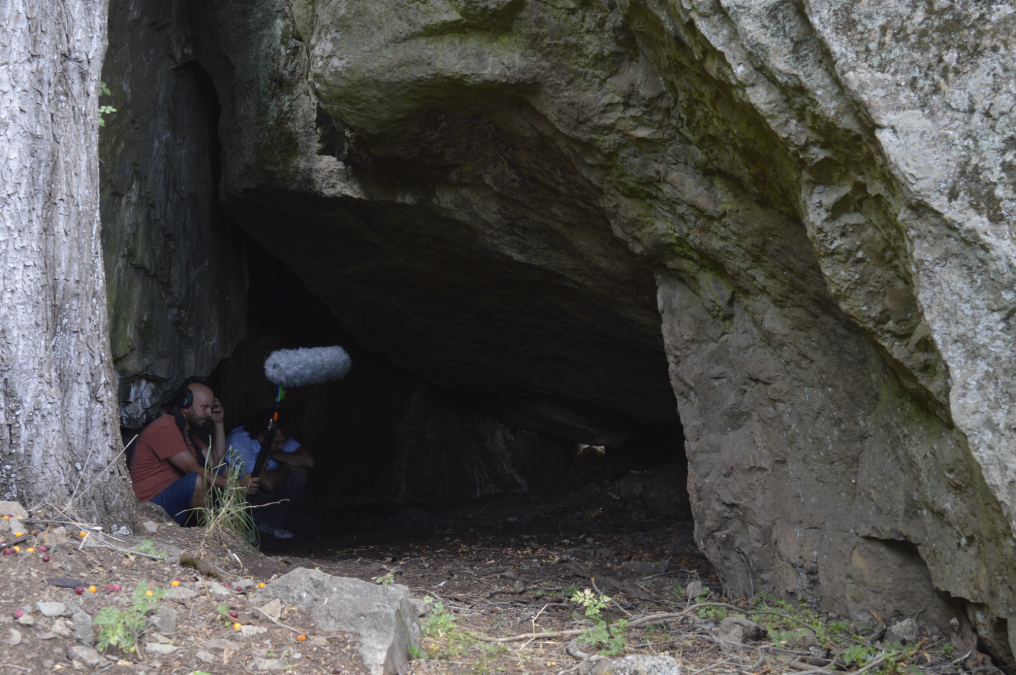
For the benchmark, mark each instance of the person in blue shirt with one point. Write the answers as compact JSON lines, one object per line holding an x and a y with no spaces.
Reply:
{"x":283,"y":476}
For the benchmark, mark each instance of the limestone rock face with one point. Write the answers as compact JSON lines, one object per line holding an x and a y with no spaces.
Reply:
{"x":812,"y":199}
{"x":175,"y":266}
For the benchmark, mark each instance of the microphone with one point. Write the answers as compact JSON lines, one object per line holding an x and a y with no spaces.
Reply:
{"x":313,"y":365}
{"x":299,"y":368}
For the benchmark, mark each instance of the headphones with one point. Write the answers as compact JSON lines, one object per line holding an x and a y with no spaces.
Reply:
{"x":183,"y":397}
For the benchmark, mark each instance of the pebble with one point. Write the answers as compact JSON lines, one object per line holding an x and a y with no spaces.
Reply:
{"x":51,"y":609}
{"x":244,"y":583}
{"x":61,"y":628}
{"x":159,"y":648}
{"x":694,"y":589}
{"x":216,"y":588}
{"x":150,"y":527}
{"x":27,"y":620}
{"x":13,"y":637}
{"x":164,"y":620}
{"x":181,"y":593}
{"x":207,"y":657}
{"x":85,"y":655}
{"x":251,"y":631}
{"x":269,"y":664}
{"x":82,"y":625}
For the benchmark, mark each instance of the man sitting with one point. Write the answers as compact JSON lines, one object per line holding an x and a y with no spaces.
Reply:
{"x":283,"y":476}
{"x":168,"y":466}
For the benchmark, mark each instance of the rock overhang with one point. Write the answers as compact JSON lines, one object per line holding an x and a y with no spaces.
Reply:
{"x":756,"y":157}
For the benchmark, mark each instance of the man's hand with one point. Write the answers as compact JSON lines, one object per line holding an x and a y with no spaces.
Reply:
{"x":218,"y":412}
{"x":253,"y":484}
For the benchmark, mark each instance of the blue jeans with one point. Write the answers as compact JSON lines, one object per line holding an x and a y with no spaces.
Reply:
{"x":176,"y":498}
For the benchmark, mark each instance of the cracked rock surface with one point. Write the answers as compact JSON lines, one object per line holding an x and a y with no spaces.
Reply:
{"x":802,"y":207}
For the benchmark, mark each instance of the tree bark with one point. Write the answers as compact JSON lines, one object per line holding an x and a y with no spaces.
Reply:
{"x":59,"y":426}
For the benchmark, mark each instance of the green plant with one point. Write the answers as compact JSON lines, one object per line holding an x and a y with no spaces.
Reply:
{"x":148,"y":548}
{"x":713,"y":613}
{"x":608,"y":637}
{"x":385,"y":579}
{"x":857,"y":655}
{"x":839,"y":627}
{"x":948,"y":648}
{"x":570,"y":590}
{"x":104,"y":109}
{"x":123,"y":628}
{"x":440,"y":626}
{"x":677,"y":590}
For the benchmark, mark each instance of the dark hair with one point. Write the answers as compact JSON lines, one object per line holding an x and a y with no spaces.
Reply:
{"x":184,"y":396}
{"x":258,"y":424}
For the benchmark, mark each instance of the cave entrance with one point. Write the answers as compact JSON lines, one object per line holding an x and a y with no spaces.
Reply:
{"x":403,"y":465}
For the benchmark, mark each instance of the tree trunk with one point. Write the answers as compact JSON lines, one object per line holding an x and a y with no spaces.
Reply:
{"x":59,"y":428}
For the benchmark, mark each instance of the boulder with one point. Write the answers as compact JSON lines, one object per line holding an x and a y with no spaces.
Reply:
{"x":383,"y":617}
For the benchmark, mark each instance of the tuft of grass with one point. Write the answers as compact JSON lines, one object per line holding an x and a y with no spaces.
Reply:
{"x":227,"y":514}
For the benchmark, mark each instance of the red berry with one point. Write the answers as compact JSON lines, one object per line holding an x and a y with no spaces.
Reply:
{"x":45,"y":558}
{"x":239,"y":588}
{"x":43,"y":548}
{"x":8,"y":551}
{"x":18,"y":613}
{"x":234,"y":614}
{"x":79,"y":590}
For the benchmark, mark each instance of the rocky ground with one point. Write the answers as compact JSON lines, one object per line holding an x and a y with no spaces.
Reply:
{"x":493,"y":585}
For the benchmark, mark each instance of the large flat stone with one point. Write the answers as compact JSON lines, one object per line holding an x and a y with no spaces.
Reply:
{"x":382,"y":616}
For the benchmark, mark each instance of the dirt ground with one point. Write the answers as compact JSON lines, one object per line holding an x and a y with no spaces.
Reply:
{"x":501,"y":570}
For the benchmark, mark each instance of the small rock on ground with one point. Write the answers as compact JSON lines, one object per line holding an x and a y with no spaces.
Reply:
{"x":638,"y":665}
{"x":269,"y":664}
{"x":905,"y":631}
{"x":738,"y":629}
{"x":13,"y":637}
{"x":159,"y":648}
{"x":694,"y":589}
{"x":85,"y":655}
{"x":51,"y":609}
{"x":61,"y":628}
{"x":164,"y":621}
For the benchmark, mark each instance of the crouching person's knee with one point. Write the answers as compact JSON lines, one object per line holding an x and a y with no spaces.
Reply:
{"x":198,"y":498}
{"x":295,"y":481}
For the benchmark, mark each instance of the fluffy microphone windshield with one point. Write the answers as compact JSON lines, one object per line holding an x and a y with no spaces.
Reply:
{"x":314,"y":365}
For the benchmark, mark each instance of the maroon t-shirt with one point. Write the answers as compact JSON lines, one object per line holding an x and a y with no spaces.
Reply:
{"x":150,"y":469}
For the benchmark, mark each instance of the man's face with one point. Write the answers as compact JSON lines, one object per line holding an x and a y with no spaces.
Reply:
{"x":199,"y":414}
{"x":277,"y":443}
